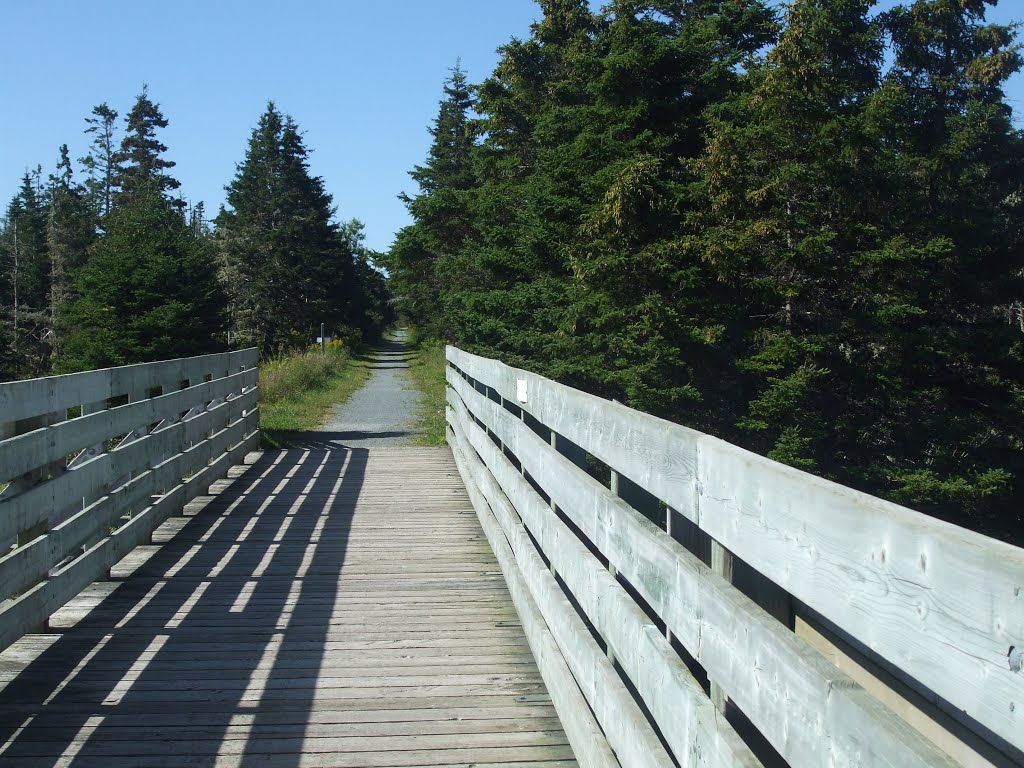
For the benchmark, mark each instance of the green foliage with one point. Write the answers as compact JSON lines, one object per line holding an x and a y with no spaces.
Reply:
{"x":100,"y":164}
{"x":427,"y":370}
{"x":298,"y":390}
{"x":139,"y":165}
{"x":149,"y":291}
{"x":286,"y":265}
{"x":755,"y":226}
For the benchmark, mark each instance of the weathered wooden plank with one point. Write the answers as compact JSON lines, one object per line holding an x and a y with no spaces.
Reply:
{"x":590,"y":746}
{"x":26,"y":565}
{"x":92,"y":478}
{"x":407,"y":659}
{"x":497,"y":715}
{"x":688,"y":721}
{"x":788,"y":684}
{"x":24,"y":399}
{"x":624,"y":724}
{"x":940,"y":603}
{"x":945,"y":593}
{"x":493,"y":757}
{"x":26,"y":452}
{"x":36,"y":605}
{"x":204,"y":730}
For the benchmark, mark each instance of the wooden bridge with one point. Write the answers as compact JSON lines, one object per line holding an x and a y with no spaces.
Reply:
{"x":570,"y":582}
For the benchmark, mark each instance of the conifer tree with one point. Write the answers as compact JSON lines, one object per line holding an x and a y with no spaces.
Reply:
{"x":783,"y":170}
{"x":283,"y":263}
{"x":952,"y":259}
{"x":23,"y":246}
{"x":139,"y":161}
{"x":428,"y":261}
{"x":69,"y":233}
{"x":148,"y":292}
{"x":100,"y":164}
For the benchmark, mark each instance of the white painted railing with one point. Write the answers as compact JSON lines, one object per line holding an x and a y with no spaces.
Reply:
{"x":717,"y":581}
{"x":93,"y":462}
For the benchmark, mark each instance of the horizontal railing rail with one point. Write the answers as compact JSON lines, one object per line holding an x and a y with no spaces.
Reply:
{"x":92,"y":463}
{"x":671,"y":591}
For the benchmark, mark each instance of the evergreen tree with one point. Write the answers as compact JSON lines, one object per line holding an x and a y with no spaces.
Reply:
{"x":530,"y":163}
{"x":69,"y":233}
{"x":23,"y":245}
{"x":283,"y":262}
{"x":139,"y":162}
{"x":784,"y":171}
{"x":650,"y":318}
{"x":949,"y":371}
{"x":427,"y":262}
{"x":100,"y":164}
{"x":148,"y":292}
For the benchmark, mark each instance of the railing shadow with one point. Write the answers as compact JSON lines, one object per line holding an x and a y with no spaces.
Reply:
{"x":212,"y":649}
{"x":388,"y":354}
{"x":332,"y":441}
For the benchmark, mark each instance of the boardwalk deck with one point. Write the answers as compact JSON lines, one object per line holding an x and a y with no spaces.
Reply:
{"x":336,"y":608}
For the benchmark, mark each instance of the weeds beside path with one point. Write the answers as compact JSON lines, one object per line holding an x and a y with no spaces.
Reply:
{"x":297,"y":392}
{"x":427,"y":371}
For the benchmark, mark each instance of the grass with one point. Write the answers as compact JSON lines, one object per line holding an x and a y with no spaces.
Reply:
{"x":297,"y":392}
{"x":427,"y":371}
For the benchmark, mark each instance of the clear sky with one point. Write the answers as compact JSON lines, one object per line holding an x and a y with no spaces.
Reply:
{"x":362,"y":79}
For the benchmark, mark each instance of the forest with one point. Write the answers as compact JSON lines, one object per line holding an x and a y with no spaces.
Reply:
{"x":797,"y":228}
{"x":112,"y":266}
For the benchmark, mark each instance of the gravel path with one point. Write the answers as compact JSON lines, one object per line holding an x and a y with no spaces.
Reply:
{"x":382,"y":413}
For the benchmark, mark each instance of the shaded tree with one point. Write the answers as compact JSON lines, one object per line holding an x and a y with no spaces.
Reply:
{"x":139,"y":163}
{"x":100,"y":164}
{"x":283,"y":261}
{"x":148,"y":292}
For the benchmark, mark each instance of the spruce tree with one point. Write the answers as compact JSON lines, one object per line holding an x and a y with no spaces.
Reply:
{"x":100,"y":164}
{"x":148,"y":292}
{"x":283,"y":263}
{"x":23,"y":246}
{"x":428,"y":263}
{"x":140,"y":164}
{"x":69,"y":233}
{"x":951,"y":262}
{"x":785,"y":171}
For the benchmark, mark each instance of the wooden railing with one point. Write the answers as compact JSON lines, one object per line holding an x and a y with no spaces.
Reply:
{"x":93,"y":462}
{"x":691,"y":602}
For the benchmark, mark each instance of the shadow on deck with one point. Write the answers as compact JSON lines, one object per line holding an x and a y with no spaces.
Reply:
{"x":243,"y":641}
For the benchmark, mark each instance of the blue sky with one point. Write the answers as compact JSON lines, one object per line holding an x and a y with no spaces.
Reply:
{"x":362,"y":79}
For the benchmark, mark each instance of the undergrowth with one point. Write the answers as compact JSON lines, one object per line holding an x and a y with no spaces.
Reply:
{"x":427,"y":371}
{"x":297,"y":391}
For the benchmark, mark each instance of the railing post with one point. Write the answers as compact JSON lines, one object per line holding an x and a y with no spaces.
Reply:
{"x":613,"y":485}
{"x":23,"y":483}
{"x":721,"y":563}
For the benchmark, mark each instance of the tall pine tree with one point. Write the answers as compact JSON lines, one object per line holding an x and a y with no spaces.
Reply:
{"x":70,"y":231}
{"x":148,"y":292}
{"x":139,"y":163}
{"x":100,"y":164}
{"x":284,"y":264}
{"x":428,"y":263}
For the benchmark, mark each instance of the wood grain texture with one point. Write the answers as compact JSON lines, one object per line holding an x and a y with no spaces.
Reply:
{"x":242,"y":637}
{"x":584,"y":734}
{"x":776,"y":679}
{"x":625,"y":724}
{"x":23,"y":399}
{"x":937,"y":602}
{"x":74,"y":524}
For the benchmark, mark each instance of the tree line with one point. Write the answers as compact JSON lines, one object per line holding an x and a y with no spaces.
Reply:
{"x":799,"y":230}
{"x":115,"y":267}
